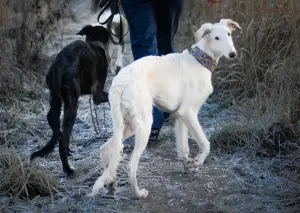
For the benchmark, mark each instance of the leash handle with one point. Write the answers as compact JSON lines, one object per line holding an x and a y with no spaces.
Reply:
{"x":102,"y":11}
{"x":114,"y":7}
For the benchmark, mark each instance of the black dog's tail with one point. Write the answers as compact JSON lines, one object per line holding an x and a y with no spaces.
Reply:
{"x":53,"y":114}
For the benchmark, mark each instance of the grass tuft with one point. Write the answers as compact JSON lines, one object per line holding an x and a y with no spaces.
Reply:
{"x":21,"y":180}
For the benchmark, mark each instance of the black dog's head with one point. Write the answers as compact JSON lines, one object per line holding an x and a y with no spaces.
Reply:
{"x":95,"y":33}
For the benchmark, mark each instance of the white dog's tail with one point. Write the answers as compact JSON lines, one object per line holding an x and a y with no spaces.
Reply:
{"x":115,"y":99}
{"x":118,"y":86}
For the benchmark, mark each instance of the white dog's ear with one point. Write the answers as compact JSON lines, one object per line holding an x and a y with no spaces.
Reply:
{"x":232,"y":25}
{"x":204,"y":30}
{"x":193,"y":29}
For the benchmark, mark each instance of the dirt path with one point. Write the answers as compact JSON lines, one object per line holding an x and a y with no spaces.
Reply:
{"x":226,"y":183}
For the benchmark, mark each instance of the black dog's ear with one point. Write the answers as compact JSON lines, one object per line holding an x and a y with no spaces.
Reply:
{"x":85,"y":30}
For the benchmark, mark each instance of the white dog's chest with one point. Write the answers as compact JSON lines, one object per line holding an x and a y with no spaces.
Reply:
{"x":197,"y":92}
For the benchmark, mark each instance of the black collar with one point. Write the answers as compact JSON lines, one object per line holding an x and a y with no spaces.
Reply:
{"x":204,"y":59}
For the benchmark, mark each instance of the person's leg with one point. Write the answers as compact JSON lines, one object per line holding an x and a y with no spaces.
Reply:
{"x":141,"y":20}
{"x":142,"y":26}
{"x":167,"y":15}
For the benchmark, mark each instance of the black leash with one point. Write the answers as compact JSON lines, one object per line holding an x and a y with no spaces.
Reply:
{"x":106,"y":6}
{"x":113,"y":4}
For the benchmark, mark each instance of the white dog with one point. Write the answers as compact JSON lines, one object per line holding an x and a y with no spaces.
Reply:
{"x":179,"y":83}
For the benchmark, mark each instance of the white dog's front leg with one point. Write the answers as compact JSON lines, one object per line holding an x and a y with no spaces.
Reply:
{"x":182,"y":144}
{"x":191,"y":120}
{"x":181,"y":134}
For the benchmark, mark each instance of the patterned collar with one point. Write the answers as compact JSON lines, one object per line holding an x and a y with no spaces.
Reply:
{"x":204,"y":59}
{"x":97,"y":44}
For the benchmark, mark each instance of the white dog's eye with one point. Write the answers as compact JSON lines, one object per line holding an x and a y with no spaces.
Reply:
{"x":228,"y":34}
{"x":217,"y":38}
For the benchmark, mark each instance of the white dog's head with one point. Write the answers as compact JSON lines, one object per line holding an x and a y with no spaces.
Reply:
{"x":218,"y":37}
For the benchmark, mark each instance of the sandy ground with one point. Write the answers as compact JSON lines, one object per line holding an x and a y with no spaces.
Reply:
{"x":225,"y":183}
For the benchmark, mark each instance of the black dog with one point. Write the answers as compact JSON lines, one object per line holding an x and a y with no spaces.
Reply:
{"x":79,"y":69}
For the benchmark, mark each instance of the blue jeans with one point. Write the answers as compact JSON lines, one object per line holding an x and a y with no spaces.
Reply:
{"x":152,"y":26}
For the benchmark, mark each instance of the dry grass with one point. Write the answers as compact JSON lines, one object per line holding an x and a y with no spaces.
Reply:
{"x":268,"y":47}
{"x":275,"y":148}
{"x":25,"y":28}
{"x":21,"y":180}
{"x":278,"y":139}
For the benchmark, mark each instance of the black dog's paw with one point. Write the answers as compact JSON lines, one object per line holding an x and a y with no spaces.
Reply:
{"x":105,"y":97}
{"x":69,"y":171}
{"x":118,"y":68}
{"x":100,"y":97}
{"x":33,"y":156}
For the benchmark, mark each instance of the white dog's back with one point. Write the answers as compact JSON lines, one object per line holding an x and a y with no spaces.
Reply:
{"x":159,"y":78}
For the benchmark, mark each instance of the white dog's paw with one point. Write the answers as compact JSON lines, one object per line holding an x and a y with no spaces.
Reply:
{"x":72,"y":166}
{"x":199,"y":159}
{"x":96,"y":188}
{"x":143,"y":193}
{"x":191,"y":165}
{"x":194,"y":169}
{"x":112,"y":188}
{"x":187,"y":164}
{"x":92,"y":194}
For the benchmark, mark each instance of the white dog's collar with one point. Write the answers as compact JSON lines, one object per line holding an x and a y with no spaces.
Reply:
{"x":204,"y":59}
{"x":97,"y":44}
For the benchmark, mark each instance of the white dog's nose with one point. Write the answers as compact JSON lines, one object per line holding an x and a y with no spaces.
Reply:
{"x":232,"y":55}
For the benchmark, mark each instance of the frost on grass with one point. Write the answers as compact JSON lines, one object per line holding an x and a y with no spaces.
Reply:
{"x":21,"y":180}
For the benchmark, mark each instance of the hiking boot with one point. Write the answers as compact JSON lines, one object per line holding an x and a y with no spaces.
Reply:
{"x":154,"y":137}
{"x":166,"y":117}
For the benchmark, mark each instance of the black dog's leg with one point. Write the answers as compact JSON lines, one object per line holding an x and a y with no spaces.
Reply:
{"x":51,"y":119}
{"x":105,"y":97}
{"x":70,"y":96}
{"x":54,"y":122}
{"x":99,"y":96}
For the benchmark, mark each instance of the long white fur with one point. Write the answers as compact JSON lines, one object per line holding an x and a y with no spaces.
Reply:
{"x":175,"y":83}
